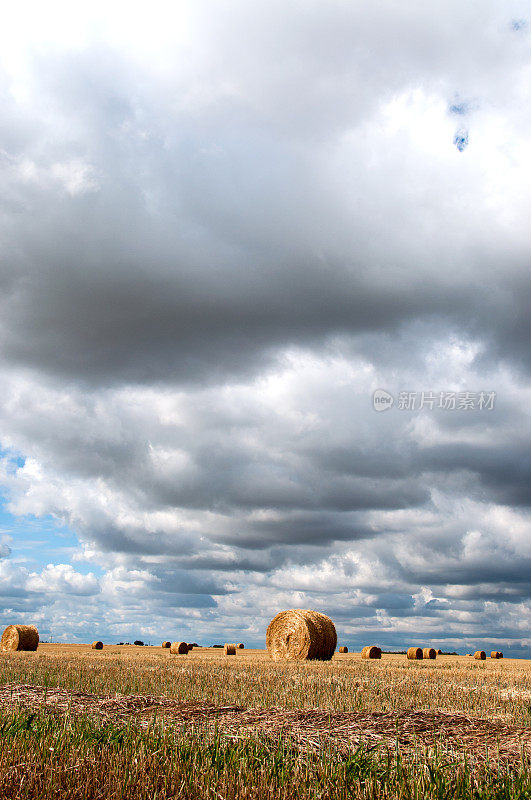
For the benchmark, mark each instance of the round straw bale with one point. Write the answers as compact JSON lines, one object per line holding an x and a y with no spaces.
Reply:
{"x":20,"y":637}
{"x":179,"y":648}
{"x":241,"y":646}
{"x":190,"y":646}
{"x":480,"y":655}
{"x":371,"y":651}
{"x":439,"y":652}
{"x":166,"y":645}
{"x":343,"y":649}
{"x":494,"y":654}
{"x":230,"y":649}
{"x":97,"y":645}
{"x":500,"y":655}
{"x":300,"y":634}
{"x":429,"y":652}
{"x":415,"y":653}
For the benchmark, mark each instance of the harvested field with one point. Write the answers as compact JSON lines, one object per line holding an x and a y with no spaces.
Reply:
{"x":137,"y":723}
{"x":478,"y":740}
{"x":497,"y":689}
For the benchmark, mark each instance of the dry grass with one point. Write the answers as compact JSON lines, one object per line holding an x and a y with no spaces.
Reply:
{"x":135,"y":723}
{"x":456,"y":735}
{"x":498,"y":689}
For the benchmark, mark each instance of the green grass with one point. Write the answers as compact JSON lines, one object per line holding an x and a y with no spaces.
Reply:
{"x":44,"y":756}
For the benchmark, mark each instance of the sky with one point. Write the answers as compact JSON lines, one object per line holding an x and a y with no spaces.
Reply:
{"x":264,"y":320}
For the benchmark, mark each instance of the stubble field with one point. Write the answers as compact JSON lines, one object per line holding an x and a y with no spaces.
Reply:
{"x":138,"y":722}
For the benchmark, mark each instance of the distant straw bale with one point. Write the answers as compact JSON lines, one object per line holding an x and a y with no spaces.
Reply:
{"x":241,"y":646}
{"x":97,"y":645}
{"x":300,"y":634}
{"x":480,"y":655}
{"x":429,"y":652}
{"x":439,"y":652}
{"x":414,"y":653}
{"x":230,"y":649}
{"x":343,"y":649}
{"x":371,"y":651}
{"x":190,"y":646}
{"x":494,"y":654}
{"x":179,"y":648}
{"x":500,"y":655}
{"x":19,"y":637}
{"x":166,"y":645}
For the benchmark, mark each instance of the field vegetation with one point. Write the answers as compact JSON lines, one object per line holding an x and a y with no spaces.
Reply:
{"x":139,"y":722}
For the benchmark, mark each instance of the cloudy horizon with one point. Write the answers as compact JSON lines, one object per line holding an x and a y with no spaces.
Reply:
{"x":224,"y":227}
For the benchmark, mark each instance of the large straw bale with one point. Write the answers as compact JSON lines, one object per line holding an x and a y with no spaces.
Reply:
{"x":494,"y":654}
{"x":179,"y":648}
{"x":480,"y":655}
{"x":97,"y":645}
{"x":371,"y":651}
{"x":429,"y":652}
{"x":343,"y":649}
{"x":230,"y":649}
{"x":166,"y":645}
{"x":300,"y":634}
{"x":414,"y":653}
{"x":20,"y":637}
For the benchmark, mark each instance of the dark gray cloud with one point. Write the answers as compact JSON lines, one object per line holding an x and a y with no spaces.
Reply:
{"x":162,"y":237}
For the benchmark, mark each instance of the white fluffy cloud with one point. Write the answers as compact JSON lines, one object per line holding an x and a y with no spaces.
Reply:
{"x":62,"y":579}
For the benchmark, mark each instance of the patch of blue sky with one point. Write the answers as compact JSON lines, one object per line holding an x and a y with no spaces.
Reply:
{"x":38,"y":541}
{"x":12,"y":459}
{"x":461,"y":139}
{"x":459,"y":108}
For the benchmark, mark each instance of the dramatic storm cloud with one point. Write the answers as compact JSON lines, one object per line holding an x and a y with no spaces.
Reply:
{"x":224,"y":226}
